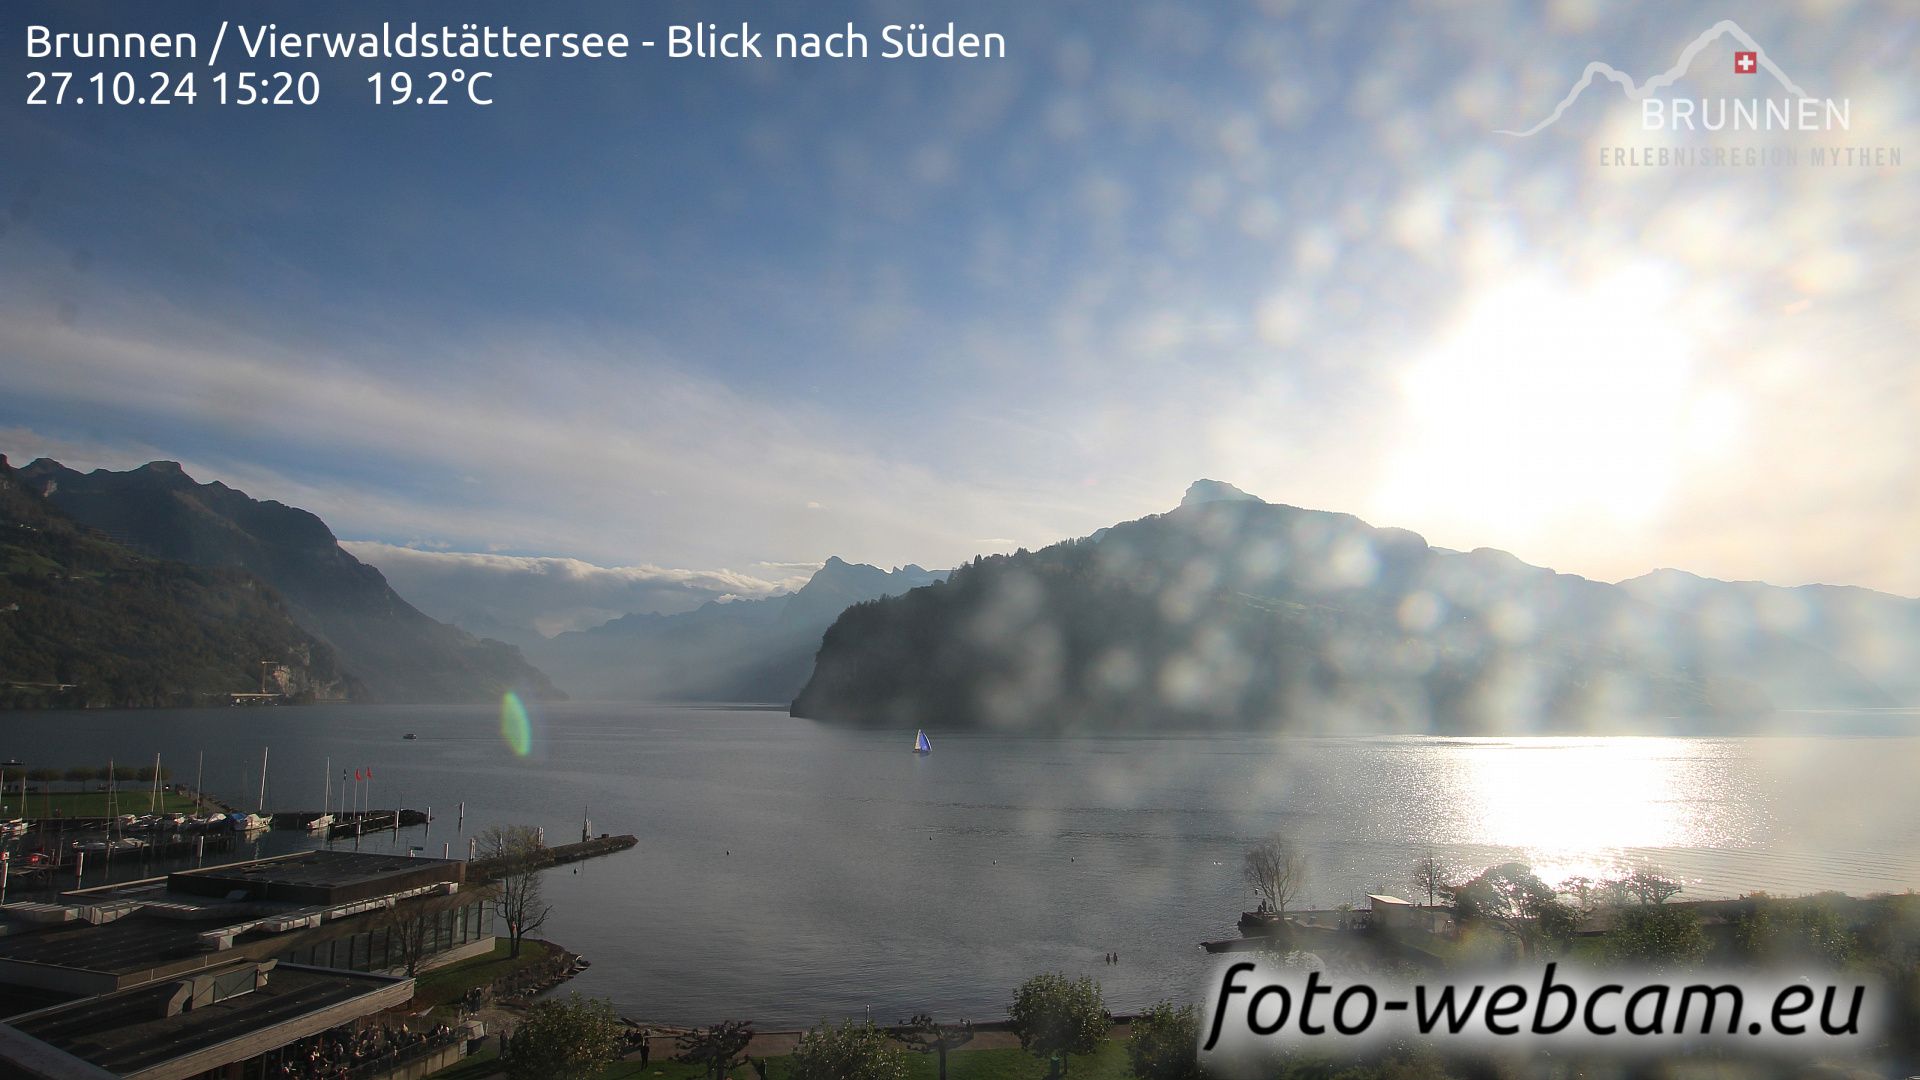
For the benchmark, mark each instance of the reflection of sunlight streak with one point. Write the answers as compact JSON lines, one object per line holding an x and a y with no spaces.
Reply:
{"x":1573,"y":804}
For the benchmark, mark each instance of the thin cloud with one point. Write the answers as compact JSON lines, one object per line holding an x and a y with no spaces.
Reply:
{"x":548,"y":595}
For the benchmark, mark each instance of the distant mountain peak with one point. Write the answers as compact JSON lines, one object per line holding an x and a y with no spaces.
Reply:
{"x":1213,"y":491}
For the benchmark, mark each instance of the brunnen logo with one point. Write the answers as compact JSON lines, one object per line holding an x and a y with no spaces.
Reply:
{"x":1781,"y":106}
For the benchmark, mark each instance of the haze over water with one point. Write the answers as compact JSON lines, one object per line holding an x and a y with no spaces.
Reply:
{"x":788,"y":871}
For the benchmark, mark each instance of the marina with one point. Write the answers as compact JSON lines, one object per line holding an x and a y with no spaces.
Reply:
{"x":833,"y":850}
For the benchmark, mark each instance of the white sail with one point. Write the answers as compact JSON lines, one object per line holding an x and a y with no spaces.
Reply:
{"x":921,"y":745}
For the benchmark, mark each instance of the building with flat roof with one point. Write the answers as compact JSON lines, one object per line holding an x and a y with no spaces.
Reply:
{"x":1390,"y":911}
{"x":322,"y":878}
{"x":205,"y":1024}
{"x":161,"y":977}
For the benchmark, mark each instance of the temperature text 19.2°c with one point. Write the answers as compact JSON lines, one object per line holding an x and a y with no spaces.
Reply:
{"x":430,"y":88}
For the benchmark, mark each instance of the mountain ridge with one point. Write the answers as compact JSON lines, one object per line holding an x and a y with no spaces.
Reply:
{"x":86,"y":622}
{"x":397,"y":653}
{"x":1236,"y":612}
{"x":724,"y":650}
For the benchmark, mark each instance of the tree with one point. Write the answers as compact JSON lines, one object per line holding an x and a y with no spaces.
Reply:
{"x":1649,"y":886}
{"x":924,"y":1036}
{"x":1431,"y":876}
{"x":1276,"y":870}
{"x":560,"y":1040}
{"x":851,"y":1051}
{"x":1161,"y":1045}
{"x":717,"y":1049}
{"x":1055,"y":1016}
{"x":517,"y":900}
{"x":409,"y":937}
{"x":1656,"y":936}
{"x":1588,"y":894}
{"x":1809,"y":930}
{"x":1510,"y":896}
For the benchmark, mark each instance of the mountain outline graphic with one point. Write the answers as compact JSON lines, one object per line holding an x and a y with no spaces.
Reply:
{"x":1636,"y":92}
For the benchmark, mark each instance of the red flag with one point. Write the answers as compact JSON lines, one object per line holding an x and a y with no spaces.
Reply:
{"x":356,"y":776}
{"x":369,"y":772}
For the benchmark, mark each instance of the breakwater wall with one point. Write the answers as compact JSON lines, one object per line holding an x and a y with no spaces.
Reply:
{"x":483,"y":870}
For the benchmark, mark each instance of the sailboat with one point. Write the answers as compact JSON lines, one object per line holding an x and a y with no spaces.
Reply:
{"x":109,"y":843}
{"x":258,"y":820}
{"x":325,"y":820}
{"x":921,"y":745}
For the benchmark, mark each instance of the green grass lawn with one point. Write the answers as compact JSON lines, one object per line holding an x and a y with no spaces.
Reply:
{"x":89,"y":804}
{"x":1108,"y":1063}
{"x":478,"y":1064}
{"x":445,"y":985}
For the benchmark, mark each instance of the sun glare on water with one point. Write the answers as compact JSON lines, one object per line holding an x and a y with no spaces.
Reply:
{"x":1576,"y":806}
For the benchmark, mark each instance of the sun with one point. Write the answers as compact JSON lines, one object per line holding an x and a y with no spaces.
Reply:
{"x":1548,"y":401}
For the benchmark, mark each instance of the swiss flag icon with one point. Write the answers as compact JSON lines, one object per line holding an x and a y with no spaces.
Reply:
{"x":1746,"y":63}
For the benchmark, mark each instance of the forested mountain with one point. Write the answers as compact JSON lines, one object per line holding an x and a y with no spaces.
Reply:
{"x":741,"y":650}
{"x":395,"y":652}
{"x":1232,"y":612}
{"x":1875,"y":633}
{"x":86,"y":622}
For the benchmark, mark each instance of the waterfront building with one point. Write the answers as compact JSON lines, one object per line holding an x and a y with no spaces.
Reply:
{"x":226,"y":971}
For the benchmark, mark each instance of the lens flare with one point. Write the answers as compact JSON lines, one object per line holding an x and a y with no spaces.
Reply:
{"x":514,"y":725}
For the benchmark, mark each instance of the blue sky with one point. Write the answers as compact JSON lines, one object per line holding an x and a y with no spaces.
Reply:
{"x":710,"y":318}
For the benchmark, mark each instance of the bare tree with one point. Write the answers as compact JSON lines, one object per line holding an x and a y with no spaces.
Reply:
{"x":1276,"y":870}
{"x":924,"y":1036}
{"x":409,"y":937}
{"x":718,"y":1049}
{"x":514,"y":854}
{"x":1431,"y":875}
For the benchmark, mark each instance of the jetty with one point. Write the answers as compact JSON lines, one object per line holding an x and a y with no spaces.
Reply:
{"x":350,"y":823}
{"x":483,"y":870}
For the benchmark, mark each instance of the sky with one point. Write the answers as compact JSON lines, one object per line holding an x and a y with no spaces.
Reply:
{"x":667,"y":330}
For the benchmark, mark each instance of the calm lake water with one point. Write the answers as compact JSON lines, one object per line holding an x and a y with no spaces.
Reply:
{"x":789,"y":872}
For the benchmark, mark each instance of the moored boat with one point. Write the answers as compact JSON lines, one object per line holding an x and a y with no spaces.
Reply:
{"x":125,"y":843}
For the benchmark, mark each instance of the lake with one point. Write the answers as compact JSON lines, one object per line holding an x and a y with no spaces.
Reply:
{"x":789,"y":872}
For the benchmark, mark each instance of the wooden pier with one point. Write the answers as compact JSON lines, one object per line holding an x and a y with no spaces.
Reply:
{"x":350,"y":823}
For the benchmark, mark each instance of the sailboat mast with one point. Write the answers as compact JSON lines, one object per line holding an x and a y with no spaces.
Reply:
{"x":263,"y":780}
{"x":153,"y":796}
{"x":199,"y":768}
{"x":326,"y":798}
